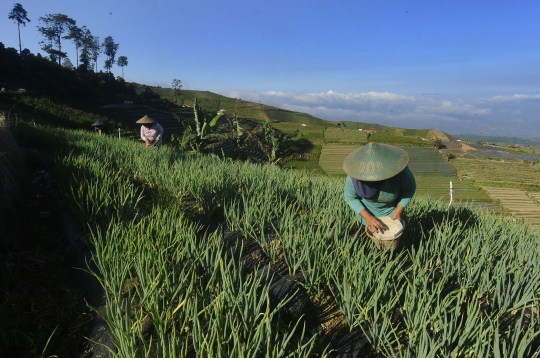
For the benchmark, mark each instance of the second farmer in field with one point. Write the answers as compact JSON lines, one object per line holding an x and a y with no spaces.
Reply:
{"x":151,"y":131}
{"x":379,"y":183}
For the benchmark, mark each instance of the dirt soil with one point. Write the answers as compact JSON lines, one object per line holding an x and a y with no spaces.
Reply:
{"x":458,"y":149}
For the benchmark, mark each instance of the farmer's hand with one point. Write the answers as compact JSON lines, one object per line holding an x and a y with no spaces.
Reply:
{"x":396,"y":215}
{"x":372,"y":223}
{"x":157,"y":138}
{"x":147,"y":143}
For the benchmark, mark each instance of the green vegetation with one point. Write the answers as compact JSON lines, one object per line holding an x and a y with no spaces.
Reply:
{"x":20,"y":16}
{"x":429,"y":162}
{"x":464,"y":284}
{"x":399,"y":140}
{"x":200,"y":138}
{"x":342,"y":135}
{"x":332,"y":156}
{"x":501,"y":173}
{"x":421,"y":133}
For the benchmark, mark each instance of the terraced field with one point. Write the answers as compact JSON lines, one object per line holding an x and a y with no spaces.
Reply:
{"x":342,"y":135}
{"x":497,"y":172}
{"x":332,"y":156}
{"x":433,"y":174}
{"x":522,"y":205}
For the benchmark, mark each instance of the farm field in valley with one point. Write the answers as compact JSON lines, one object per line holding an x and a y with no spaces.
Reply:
{"x":433,"y":174}
{"x":514,"y":184}
{"x":222,"y":227}
{"x":201,"y":256}
{"x":487,"y":172}
{"x":518,"y":202}
{"x":342,"y":135}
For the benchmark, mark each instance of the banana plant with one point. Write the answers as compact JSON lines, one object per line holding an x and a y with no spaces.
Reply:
{"x":204,"y":131}
{"x":274,"y":144}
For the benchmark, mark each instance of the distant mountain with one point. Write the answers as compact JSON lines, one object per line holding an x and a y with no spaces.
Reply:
{"x":499,"y":140}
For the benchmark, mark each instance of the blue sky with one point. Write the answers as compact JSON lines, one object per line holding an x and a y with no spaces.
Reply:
{"x":458,"y":66}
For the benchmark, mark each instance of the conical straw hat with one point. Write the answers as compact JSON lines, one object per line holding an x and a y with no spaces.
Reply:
{"x":375,"y":162}
{"x":97,"y":123}
{"x":145,"y":120}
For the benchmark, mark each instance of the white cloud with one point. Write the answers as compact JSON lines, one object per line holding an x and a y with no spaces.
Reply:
{"x":450,"y":108}
{"x":333,"y":97}
{"x":513,"y":98}
{"x":493,"y":116}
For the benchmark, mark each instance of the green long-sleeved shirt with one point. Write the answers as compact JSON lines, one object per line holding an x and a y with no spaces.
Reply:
{"x":396,"y":190}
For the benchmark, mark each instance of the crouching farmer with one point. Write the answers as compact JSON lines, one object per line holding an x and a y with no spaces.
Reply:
{"x":151,"y":131}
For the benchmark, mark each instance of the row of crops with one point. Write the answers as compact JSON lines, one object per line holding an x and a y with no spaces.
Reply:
{"x":342,"y":135}
{"x":498,"y":172}
{"x":465,"y":282}
{"x":360,"y":136}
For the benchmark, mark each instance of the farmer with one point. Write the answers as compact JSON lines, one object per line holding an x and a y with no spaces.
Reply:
{"x":378,"y":183}
{"x":100,"y":127}
{"x":151,"y":131}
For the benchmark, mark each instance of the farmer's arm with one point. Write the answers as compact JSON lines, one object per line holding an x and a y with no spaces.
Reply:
{"x":143,"y":137}
{"x":408,"y":188}
{"x":351,"y":198}
{"x":356,"y":205}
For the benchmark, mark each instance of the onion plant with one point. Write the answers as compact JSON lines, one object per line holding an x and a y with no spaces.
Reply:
{"x":464,"y":283}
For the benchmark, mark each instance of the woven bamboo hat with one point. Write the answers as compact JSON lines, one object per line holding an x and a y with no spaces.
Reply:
{"x":145,"y":120}
{"x":97,"y":123}
{"x":375,"y":162}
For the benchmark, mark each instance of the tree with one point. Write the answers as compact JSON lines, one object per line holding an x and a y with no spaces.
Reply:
{"x":95,"y":49}
{"x":67,"y":63}
{"x":108,"y":65}
{"x":54,"y":26}
{"x":122,"y":61}
{"x":19,"y":14}
{"x":109,"y":49}
{"x":86,"y":46}
{"x":76,"y":34}
{"x":274,"y":144}
{"x":438,"y":143}
{"x":176,"y":85}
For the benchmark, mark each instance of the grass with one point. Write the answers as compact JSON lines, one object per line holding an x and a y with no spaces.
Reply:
{"x":465,"y":281}
{"x":309,"y":165}
{"x":314,"y":133}
{"x":502,"y":173}
{"x":342,"y":135}
{"x":399,"y":140}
